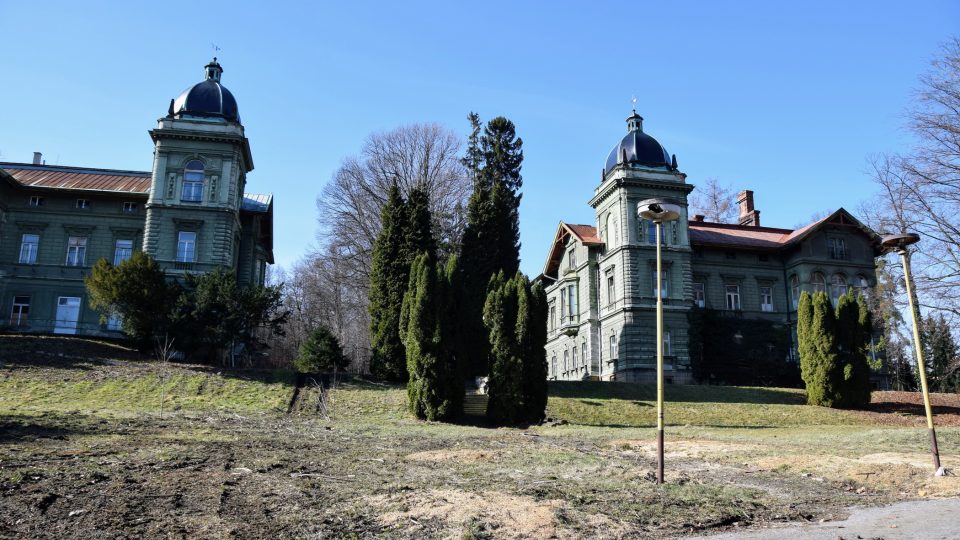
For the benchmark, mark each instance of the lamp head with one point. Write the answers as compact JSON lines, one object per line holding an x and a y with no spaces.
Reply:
{"x":899,"y":242}
{"x":658,"y":210}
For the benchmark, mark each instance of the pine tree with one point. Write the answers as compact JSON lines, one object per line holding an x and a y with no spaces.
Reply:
{"x":820,"y":367}
{"x":389,"y":277}
{"x":491,"y":240}
{"x":321,"y":352}
{"x":506,"y":365}
{"x":419,"y":236}
{"x":434,"y":391}
{"x":808,"y":360}
{"x":940,"y":354}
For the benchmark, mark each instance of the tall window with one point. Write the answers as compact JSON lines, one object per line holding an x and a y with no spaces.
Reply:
{"x":838,"y":287}
{"x":837,"y":248}
{"x":795,"y":290}
{"x":611,"y":291}
{"x":699,"y":295}
{"x":122,"y":251}
{"x":566,"y":360}
{"x":29,"y":244}
{"x":192,"y":182}
{"x":572,"y":307}
{"x":76,"y":250}
{"x":862,"y":285}
{"x":553,"y":315}
{"x":583,"y":351}
{"x":21,"y":308}
{"x":664,"y":284}
{"x":572,"y":257}
{"x":563,"y":306}
{"x":651,"y":231}
{"x":667,"y":345}
{"x":733,"y":297}
{"x":573,"y":355}
{"x":553,"y":364}
{"x":766,"y":299}
{"x":613,"y":346}
{"x":187,"y":246}
{"x":819,"y":284}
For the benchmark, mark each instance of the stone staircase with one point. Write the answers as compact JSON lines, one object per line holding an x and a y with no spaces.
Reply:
{"x":475,"y":405}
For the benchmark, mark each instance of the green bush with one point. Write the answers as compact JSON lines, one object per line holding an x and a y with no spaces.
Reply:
{"x":321,"y":353}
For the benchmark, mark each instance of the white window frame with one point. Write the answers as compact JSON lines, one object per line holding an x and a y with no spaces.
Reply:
{"x":20,"y":311}
{"x":664,"y":283}
{"x":732,"y":294}
{"x":566,"y":360}
{"x":613,"y":346}
{"x":819,"y":282}
{"x":573,"y":355}
{"x":187,"y":245}
{"x":766,"y":298}
{"x":667,"y":344}
{"x":193,"y":180}
{"x":29,"y":249}
{"x":795,"y":291}
{"x":572,"y":258}
{"x":76,"y":251}
{"x":122,"y":253}
{"x":699,"y":294}
{"x":838,"y":287}
{"x":611,"y":288}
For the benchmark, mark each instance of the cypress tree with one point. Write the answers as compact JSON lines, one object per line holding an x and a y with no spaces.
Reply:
{"x":804,"y":341}
{"x":505,"y":403}
{"x":532,"y":335}
{"x":491,"y":240}
{"x":389,"y":276}
{"x":940,"y":351}
{"x":433,"y":390}
{"x":419,"y":226}
{"x":827,"y":374}
{"x":853,"y":371}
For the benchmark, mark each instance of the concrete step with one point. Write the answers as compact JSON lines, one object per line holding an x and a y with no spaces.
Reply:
{"x":475,"y":405}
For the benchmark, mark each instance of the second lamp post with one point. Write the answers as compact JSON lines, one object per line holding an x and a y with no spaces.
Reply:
{"x":659,"y":211}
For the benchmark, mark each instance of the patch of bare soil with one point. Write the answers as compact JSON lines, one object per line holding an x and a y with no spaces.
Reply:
{"x":906,"y":409}
{"x":684,"y":448}
{"x":464,"y":455}
{"x":463,"y":513}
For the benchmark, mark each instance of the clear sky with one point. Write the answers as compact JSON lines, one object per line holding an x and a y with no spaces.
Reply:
{"x":786,"y":99}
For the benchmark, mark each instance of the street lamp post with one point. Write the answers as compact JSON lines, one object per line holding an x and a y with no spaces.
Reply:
{"x":658,"y":211}
{"x":899,"y":243}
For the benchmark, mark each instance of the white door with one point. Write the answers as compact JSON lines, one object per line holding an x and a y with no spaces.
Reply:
{"x":68,"y":313}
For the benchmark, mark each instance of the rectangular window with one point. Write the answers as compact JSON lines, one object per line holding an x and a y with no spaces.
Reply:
{"x":129,"y":207}
{"x":766,"y":299}
{"x":613,"y":346}
{"x":699,"y":295}
{"x":122,"y":251}
{"x":733,"y":297}
{"x":566,"y":360}
{"x":563,"y":306}
{"x":36,"y":201}
{"x":795,"y":291}
{"x":572,"y":257}
{"x":553,"y":316}
{"x":573,"y":355}
{"x":192,"y":190}
{"x":664,"y":284}
{"x":667,"y":346}
{"x":76,"y":250}
{"x":610,"y":289}
{"x":837,"y":248}
{"x":651,"y":228}
{"x":83,"y":203}
{"x":553,"y":365}
{"x":187,"y":246}
{"x":29,"y":245}
{"x":115,"y":323}
{"x":572,"y":308}
{"x":21,"y":309}
{"x":583,"y":350}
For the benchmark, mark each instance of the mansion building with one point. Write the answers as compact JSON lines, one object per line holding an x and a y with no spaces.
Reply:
{"x":189,"y":212}
{"x":601,"y":279}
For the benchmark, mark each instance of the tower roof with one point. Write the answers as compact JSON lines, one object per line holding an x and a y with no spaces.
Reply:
{"x":637,"y":148}
{"x":207,"y":98}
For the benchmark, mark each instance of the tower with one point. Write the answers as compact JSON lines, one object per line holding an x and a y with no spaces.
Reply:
{"x":200,"y":162}
{"x":639,"y":168}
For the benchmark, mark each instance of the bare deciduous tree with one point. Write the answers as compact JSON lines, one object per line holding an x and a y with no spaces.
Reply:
{"x":715,"y":201}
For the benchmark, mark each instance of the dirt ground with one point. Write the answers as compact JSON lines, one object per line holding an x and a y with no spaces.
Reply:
{"x":372,"y":472}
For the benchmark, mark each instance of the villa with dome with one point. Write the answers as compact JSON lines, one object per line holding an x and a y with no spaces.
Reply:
{"x":600,"y":278}
{"x":190,"y":212}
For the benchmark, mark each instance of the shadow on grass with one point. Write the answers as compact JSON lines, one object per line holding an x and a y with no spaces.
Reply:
{"x":911,"y":409}
{"x":26,"y":429}
{"x":596,"y":390}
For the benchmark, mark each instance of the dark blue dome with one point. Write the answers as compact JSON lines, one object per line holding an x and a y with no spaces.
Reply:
{"x":638,"y":148}
{"x":208,"y":98}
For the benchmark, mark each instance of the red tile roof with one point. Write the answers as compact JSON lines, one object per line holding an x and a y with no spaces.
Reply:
{"x":79,"y":178}
{"x":749,"y":237}
{"x":587,"y":234}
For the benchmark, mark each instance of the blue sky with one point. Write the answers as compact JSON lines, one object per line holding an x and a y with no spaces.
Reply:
{"x":786,"y":99}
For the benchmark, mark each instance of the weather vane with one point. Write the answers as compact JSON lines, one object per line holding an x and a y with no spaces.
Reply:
{"x":634,"y":101}
{"x":215,"y":49}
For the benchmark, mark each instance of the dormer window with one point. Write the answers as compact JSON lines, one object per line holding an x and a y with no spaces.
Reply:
{"x":192,"y":182}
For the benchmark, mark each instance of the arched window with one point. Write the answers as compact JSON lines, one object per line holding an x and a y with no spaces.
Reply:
{"x":795,"y":290}
{"x":819,"y":284}
{"x":838,"y":287}
{"x":192,"y":181}
{"x":862,"y":284}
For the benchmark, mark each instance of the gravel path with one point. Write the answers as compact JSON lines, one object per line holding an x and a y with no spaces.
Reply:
{"x":927,"y":519}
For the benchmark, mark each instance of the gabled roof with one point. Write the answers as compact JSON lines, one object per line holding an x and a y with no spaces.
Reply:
{"x":585,"y":234}
{"x":749,"y":237}
{"x":79,"y":178}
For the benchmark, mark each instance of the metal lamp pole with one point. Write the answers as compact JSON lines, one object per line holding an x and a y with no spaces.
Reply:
{"x":899,"y":242}
{"x":658,"y":211}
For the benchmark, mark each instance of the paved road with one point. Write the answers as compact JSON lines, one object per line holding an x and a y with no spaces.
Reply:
{"x":913,"y":520}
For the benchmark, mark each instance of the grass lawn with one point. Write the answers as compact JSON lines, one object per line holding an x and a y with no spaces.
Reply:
{"x":84,"y":452}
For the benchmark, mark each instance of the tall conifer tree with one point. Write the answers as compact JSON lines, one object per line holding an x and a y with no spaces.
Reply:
{"x":491,"y":241}
{"x":389,"y":276}
{"x":853,"y":371}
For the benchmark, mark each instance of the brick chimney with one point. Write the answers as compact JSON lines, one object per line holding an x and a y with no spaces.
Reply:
{"x":748,"y":216}
{"x":37,"y":158}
